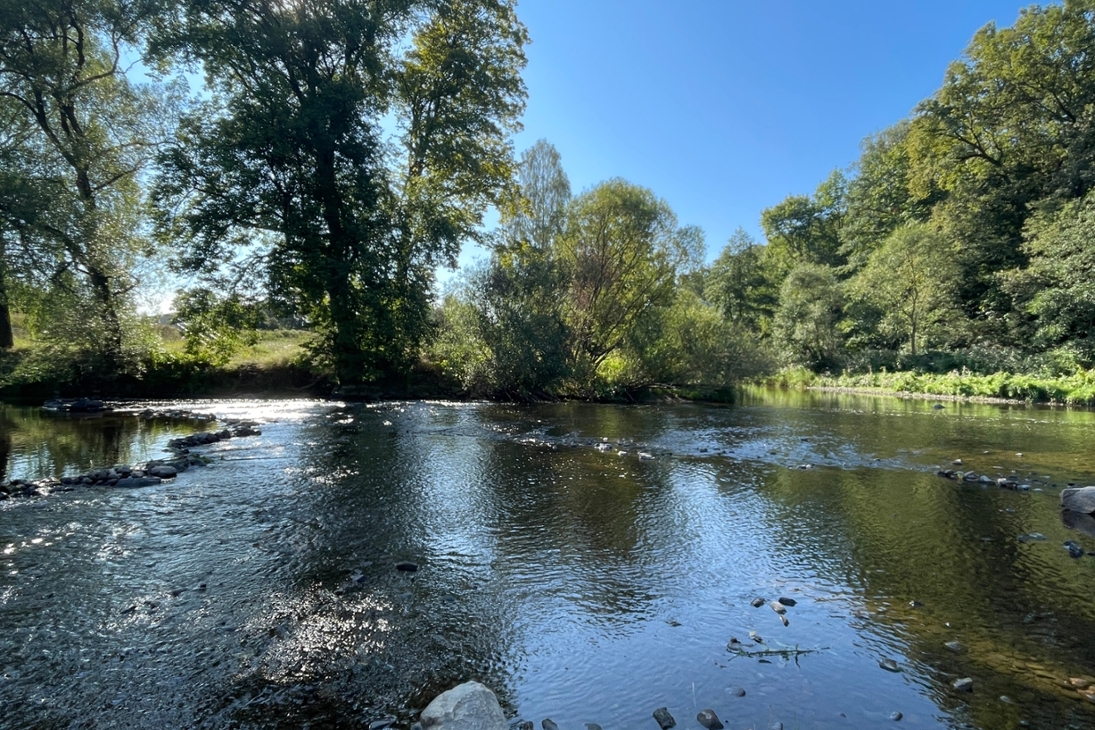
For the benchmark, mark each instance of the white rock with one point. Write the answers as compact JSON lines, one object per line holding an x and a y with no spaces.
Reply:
{"x":469,"y":706}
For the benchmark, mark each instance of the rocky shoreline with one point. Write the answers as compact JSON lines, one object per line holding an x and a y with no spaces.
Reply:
{"x":126,"y":476}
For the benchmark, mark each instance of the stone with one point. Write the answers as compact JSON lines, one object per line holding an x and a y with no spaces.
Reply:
{"x":758,"y":602}
{"x":963,"y":685}
{"x":1032,"y":537}
{"x":664,"y":719}
{"x":593,"y":726}
{"x":896,"y":717}
{"x":469,"y":706}
{"x":164,"y":471}
{"x":953,"y":646}
{"x":709,"y":720}
{"x":383,"y":723}
{"x":736,"y":692}
{"x":133,"y":482}
{"x":777,"y":607}
{"x":526,"y":725}
{"x":787,"y":601}
{"x":1074,"y":549}
{"x":889,"y":665}
{"x":548,"y":724}
{"x":406,"y":566}
{"x":1079,"y":499}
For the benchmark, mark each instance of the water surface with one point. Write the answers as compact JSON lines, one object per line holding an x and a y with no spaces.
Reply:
{"x":581,"y":585}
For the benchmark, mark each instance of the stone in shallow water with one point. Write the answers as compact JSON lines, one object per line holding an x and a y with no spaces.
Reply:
{"x":896,"y":717}
{"x":736,"y":691}
{"x":889,"y":665}
{"x":406,"y":566}
{"x":664,"y":719}
{"x":787,"y":601}
{"x":963,"y":685}
{"x":469,"y":706}
{"x":709,"y":720}
{"x":548,"y":724}
{"x":758,"y":602}
{"x":953,"y":646}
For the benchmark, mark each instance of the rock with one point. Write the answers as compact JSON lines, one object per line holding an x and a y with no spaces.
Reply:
{"x":469,"y":706}
{"x":593,"y":726}
{"x":1079,"y":499}
{"x":937,"y":406}
{"x":526,"y":725}
{"x":957,"y":462}
{"x":963,"y":685}
{"x":896,"y":717}
{"x":547,"y":724}
{"x":664,"y":719}
{"x":709,"y":720}
{"x":644,"y":456}
{"x":787,"y":601}
{"x":383,"y":723}
{"x":777,"y":607}
{"x":1007,"y":700}
{"x":889,"y":665}
{"x":1079,"y":683}
{"x":1032,"y":537}
{"x":407,"y":566}
{"x":164,"y":471}
{"x":133,"y":482}
{"x":1078,"y":521}
{"x":1074,"y":549}
{"x":953,"y":646}
{"x":736,"y":692}
{"x":758,"y":602}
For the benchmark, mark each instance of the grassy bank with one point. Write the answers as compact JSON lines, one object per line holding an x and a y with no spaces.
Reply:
{"x":1076,"y":389}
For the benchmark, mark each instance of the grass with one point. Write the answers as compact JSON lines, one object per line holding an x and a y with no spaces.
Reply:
{"x":1075,"y":389}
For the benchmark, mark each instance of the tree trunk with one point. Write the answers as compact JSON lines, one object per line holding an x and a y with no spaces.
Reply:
{"x":7,"y":338}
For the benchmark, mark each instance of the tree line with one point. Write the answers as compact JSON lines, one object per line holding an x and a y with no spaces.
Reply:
{"x":339,"y":151}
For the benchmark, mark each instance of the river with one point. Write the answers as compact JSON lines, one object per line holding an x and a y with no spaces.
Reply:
{"x":584,"y":585}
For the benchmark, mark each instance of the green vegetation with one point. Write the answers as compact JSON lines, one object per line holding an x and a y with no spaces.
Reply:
{"x":340,"y":151}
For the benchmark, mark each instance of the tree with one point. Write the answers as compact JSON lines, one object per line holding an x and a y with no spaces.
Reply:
{"x":806,"y":229}
{"x":537,"y":216}
{"x":300,"y":162}
{"x":805,"y":325}
{"x":94,"y":132}
{"x":1058,"y":287}
{"x":913,"y":279}
{"x":621,"y":253}
{"x":739,"y":283}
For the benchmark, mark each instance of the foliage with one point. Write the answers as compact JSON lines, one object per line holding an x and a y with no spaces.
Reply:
{"x":215,"y":327}
{"x":913,"y":280}
{"x":805,"y":325}
{"x":739,"y":283}
{"x":806,"y":229}
{"x":301,"y":151}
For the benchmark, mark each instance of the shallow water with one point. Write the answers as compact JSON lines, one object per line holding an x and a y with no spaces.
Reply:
{"x":580,"y":585}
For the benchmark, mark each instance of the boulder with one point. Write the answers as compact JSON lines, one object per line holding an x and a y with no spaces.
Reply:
{"x":1079,"y":499}
{"x":131,"y":482}
{"x":163,"y":471}
{"x":469,"y":706}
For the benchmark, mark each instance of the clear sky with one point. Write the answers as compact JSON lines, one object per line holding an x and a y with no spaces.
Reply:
{"x":725,"y":107}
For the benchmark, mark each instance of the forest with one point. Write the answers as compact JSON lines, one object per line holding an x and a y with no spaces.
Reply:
{"x":308,"y":167}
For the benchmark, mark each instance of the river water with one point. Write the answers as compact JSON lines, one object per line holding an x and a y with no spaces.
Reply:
{"x":581,"y":585}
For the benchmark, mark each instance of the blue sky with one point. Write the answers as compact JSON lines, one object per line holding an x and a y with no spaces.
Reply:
{"x":725,"y":107}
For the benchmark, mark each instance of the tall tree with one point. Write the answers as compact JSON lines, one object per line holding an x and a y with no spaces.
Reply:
{"x":354,"y":221}
{"x":60,"y":63}
{"x":739,"y":282}
{"x":622,"y":252}
{"x":806,"y":229}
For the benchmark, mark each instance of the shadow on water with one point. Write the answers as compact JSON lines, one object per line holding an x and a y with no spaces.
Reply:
{"x":584,"y":585}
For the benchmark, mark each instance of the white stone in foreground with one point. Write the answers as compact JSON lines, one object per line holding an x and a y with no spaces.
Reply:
{"x":469,"y":706}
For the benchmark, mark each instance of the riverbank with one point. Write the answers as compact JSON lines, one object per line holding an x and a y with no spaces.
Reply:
{"x":1077,"y":389}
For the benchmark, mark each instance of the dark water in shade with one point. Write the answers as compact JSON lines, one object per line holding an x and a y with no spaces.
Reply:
{"x":580,"y":585}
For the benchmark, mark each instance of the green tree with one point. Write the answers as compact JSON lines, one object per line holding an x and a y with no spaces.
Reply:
{"x":805,"y":327}
{"x":806,"y":229}
{"x":94,"y":133}
{"x":913,"y":280}
{"x":621,"y":253}
{"x":1057,"y":289}
{"x":292,"y":154}
{"x":739,"y":283}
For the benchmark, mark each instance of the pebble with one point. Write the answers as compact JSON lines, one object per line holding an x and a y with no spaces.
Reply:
{"x":1074,"y":549}
{"x":787,"y":601}
{"x":758,"y":602}
{"x":526,"y":725}
{"x":963,"y":685}
{"x":593,"y":726}
{"x":889,"y":665}
{"x":664,"y":719}
{"x":709,"y":720}
{"x":1007,"y":700}
{"x":896,"y":717}
{"x":778,"y":607}
{"x":549,"y":724}
{"x":406,"y":566}
{"x":736,"y":691}
{"x":1078,"y":683}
